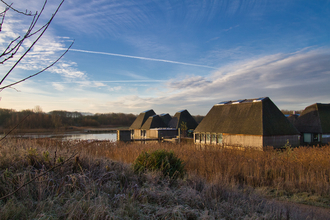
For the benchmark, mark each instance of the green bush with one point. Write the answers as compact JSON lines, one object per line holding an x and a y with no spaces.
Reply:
{"x":160,"y":160}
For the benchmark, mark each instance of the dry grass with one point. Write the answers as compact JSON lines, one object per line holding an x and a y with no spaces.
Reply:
{"x":94,"y":187}
{"x":297,"y":170}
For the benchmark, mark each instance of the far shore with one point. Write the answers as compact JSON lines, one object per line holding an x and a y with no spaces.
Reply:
{"x":69,"y":129}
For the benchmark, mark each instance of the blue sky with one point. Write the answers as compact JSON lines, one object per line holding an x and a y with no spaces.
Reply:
{"x":130,"y":56}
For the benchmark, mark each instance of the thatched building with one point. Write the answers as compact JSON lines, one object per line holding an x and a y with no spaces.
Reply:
{"x":182,"y":116}
{"x":166,"y":118}
{"x":155,"y":127}
{"x":314,"y":124}
{"x":293,"y":118}
{"x":136,"y":132}
{"x":248,"y":123}
{"x":154,"y":121}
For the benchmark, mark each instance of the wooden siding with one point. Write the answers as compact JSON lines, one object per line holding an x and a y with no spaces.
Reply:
{"x":255,"y":141}
{"x":280,"y":141}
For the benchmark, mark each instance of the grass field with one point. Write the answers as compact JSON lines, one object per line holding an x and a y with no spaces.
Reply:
{"x":48,"y":179}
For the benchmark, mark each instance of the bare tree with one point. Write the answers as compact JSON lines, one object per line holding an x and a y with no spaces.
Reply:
{"x":34,"y":31}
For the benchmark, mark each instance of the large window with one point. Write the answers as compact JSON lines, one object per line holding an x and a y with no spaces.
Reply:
{"x":219,"y":138}
{"x":143,"y":133}
{"x":208,"y":137}
{"x":203,"y":137}
{"x":307,"y":137}
{"x":311,"y":137}
{"x":213,"y":139}
{"x":316,"y":138}
{"x":197,"y":137}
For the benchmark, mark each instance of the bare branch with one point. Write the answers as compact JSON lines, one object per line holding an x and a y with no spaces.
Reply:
{"x":2,"y":15}
{"x":11,"y":130}
{"x":14,"y":9}
{"x":1,"y":88}
{"x":35,"y":19}
{"x":14,"y":50}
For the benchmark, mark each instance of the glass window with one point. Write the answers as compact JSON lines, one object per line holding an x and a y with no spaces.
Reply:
{"x":197,"y":137}
{"x":202,"y":137}
{"x":316,"y":138}
{"x":208,"y":137}
{"x":307,"y":137}
{"x":219,"y":137}
{"x":213,"y":138}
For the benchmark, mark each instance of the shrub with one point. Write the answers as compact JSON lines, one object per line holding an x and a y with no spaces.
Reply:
{"x":160,"y":160}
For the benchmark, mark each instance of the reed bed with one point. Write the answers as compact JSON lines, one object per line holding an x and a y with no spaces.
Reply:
{"x":47,"y":184}
{"x":295,"y":170}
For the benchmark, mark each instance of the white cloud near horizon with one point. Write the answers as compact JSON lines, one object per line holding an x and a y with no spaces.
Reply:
{"x":58,"y":86}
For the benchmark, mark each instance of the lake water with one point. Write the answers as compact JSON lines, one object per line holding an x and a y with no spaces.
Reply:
{"x":71,"y":136}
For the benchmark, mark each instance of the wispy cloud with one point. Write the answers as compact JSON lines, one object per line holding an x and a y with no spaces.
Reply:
{"x":42,"y":54}
{"x":116,"y":17}
{"x":116,"y":81}
{"x":293,"y":77}
{"x":68,"y":70}
{"x":291,"y":80}
{"x":189,"y":82}
{"x":115,"y":88}
{"x":58,"y":86}
{"x":228,"y":29}
{"x":142,"y":58}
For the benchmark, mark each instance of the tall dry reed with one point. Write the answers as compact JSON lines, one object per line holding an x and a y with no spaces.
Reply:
{"x":93,"y":187}
{"x":303,"y":169}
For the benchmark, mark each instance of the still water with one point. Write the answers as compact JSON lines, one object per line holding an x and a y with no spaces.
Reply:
{"x":71,"y":136}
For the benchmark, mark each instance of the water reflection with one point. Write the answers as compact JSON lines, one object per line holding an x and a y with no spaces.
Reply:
{"x":101,"y":137}
{"x":77,"y":136}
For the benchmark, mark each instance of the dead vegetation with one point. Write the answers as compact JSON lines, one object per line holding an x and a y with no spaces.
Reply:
{"x":293,"y":170}
{"x":219,"y":184}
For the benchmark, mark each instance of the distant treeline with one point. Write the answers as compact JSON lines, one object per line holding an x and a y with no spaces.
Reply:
{"x":58,"y":119}
{"x":290,"y":112}
{"x":36,"y":119}
{"x":198,"y":118}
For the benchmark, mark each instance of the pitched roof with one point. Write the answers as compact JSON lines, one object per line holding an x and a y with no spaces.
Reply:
{"x":182,"y":116}
{"x":247,"y":116}
{"x":314,"y":119}
{"x":166,"y":118}
{"x":154,"y":121}
{"x":292,"y":118}
{"x":141,"y":119}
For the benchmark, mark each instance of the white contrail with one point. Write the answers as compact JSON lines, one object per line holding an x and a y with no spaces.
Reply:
{"x":142,"y":58}
{"x":119,"y":81}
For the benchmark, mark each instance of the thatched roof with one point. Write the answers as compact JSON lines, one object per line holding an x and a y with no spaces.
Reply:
{"x":248,"y":116}
{"x":154,"y":121}
{"x":314,"y":119}
{"x":292,"y":118}
{"x":182,"y":116}
{"x":142,"y":118}
{"x":166,"y":118}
